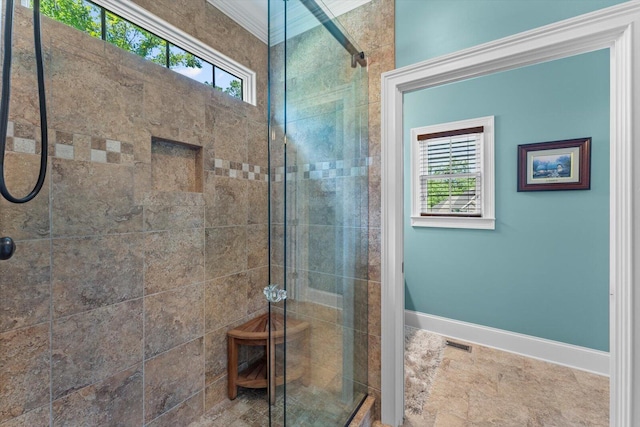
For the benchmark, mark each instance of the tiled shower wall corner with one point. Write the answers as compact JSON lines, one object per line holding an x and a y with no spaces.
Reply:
{"x":373,"y":27}
{"x":115,"y":307}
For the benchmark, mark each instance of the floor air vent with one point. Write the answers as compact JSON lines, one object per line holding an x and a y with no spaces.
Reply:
{"x":458,"y":345}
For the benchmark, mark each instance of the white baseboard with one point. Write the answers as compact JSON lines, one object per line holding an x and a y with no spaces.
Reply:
{"x":556,"y":352}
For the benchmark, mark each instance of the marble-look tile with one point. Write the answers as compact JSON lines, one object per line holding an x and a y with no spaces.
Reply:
{"x":208,"y":149}
{"x":375,"y":363}
{"x":258,"y":211}
{"x":79,"y":210}
{"x":352,"y":201}
{"x":258,"y":140}
{"x":364,"y":416}
{"x":37,"y":418}
{"x":82,"y":147}
{"x":173,"y":318}
{"x":384,"y":13}
{"x":326,"y":345}
{"x":24,"y":286}
{"x":324,"y":282}
{"x":230,"y":135}
{"x":175,"y":166}
{"x":375,"y":201}
{"x":360,"y":355}
{"x":276,"y":248}
{"x":171,"y":198}
{"x":216,"y":393}
{"x":215,"y":344}
{"x":381,"y":59}
{"x":257,"y":245}
{"x":182,"y":415}
{"x":226,"y":251}
{"x":24,"y":370}
{"x":226,"y":300}
{"x":322,"y":258}
{"x":355,"y":304}
{"x":142,"y":183}
{"x":89,"y":347}
{"x":172,"y":259}
{"x":226,"y":200}
{"x":492,"y":387}
{"x":93,"y":272}
{"x":375,"y":146}
{"x":257,"y":280}
{"x":27,"y":220}
{"x":172,"y":377}
{"x":374,"y":308}
{"x":111,"y":100}
{"x":164,"y":109}
{"x":116,"y":401}
{"x":317,"y":311}
{"x":498,"y":410}
{"x":321,"y":207}
{"x":374,"y":252}
{"x":157,"y":218}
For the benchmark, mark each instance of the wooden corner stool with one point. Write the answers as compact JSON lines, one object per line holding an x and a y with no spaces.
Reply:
{"x":255,"y":332}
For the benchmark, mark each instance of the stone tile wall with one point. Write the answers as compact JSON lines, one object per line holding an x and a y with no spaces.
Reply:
{"x":373,"y":26}
{"x":115,"y":307}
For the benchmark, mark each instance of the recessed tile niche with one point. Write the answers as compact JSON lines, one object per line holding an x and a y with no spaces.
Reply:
{"x":176,"y":166}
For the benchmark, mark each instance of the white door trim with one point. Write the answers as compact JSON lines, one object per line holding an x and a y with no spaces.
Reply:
{"x":617,"y":28}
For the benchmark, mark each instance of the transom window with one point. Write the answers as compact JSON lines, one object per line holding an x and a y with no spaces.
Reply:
{"x":109,"y":25}
{"x":452,"y":169}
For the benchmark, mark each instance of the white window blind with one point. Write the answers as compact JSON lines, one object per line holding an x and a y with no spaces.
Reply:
{"x":450,"y":172}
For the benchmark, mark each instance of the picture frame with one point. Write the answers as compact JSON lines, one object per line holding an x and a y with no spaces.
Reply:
{"x":555,"y":165}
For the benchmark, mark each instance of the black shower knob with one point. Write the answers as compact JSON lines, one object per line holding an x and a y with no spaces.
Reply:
{"x":7,"y":248}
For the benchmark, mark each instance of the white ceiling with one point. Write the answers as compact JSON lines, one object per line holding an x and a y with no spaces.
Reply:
{"x":253,"y":15}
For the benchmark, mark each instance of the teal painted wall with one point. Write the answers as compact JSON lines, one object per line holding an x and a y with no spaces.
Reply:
{"x":429,"y":28}
{"x":544,"y":270}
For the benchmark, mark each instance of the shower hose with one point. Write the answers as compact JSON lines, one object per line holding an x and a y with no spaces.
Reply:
{"x":7,"y":247}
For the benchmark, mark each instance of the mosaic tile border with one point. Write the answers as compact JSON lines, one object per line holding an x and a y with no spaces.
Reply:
{"x":239,"y":170}
{"x":21,"y":138}
{"x":324,"y":170}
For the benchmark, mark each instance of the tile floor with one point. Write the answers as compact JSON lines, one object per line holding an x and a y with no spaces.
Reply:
{"x":489,"y":387}
{"x":308,"y":407}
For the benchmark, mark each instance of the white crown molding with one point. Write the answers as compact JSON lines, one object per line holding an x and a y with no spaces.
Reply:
{"x":250,"y":14}
{"x":572,"y":356}
{"x":615,"y":28}
{"x":253,"y":16}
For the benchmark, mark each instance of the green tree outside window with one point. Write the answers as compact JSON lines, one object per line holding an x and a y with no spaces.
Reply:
{"x":86,"y":17}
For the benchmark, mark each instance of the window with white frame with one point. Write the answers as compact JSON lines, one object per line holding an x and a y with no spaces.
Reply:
{"x":132,"y":28}
{"x":452,"y":175}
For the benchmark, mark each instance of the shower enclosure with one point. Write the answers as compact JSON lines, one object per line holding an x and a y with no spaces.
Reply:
{"x":169,"y":205}
{"x":318,"y":150}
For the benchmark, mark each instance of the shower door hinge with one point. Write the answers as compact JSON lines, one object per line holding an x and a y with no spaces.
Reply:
{"x":285,"y":140}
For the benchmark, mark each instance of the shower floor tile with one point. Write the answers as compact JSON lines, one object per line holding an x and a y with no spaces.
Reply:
{"x":310,"y":407}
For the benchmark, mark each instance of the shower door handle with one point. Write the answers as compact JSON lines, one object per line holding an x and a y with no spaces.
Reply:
{"x":274,"y":294}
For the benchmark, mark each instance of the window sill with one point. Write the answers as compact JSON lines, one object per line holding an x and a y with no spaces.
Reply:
{"x":454,"y":222}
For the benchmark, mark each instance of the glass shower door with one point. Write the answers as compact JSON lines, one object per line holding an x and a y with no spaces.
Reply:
{"x":318,"y":216}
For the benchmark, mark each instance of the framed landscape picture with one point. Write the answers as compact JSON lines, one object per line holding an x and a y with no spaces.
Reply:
{"x":555,"y":165}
